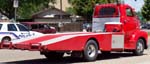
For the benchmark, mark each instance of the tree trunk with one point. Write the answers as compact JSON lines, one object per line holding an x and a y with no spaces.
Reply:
{"x":109,"y":1}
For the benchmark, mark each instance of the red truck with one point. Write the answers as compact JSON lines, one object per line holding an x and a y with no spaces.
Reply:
{"x":115,"y":28}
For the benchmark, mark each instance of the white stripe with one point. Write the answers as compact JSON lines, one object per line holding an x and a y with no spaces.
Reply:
{"x":37,"y":36}
{"x":65,"y":37}
{"x":25,"y":39}
{"x":72,"y":33}
{"x":113,"y":23}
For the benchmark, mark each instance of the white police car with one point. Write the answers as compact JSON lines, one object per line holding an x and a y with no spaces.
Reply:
{"x":12,"y":31}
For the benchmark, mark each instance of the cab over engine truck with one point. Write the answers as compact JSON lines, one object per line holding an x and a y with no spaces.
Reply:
{"x":115,"y":28}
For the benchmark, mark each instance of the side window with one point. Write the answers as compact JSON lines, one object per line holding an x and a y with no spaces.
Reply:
{"x":129,"y":12}
{"x":11,"y":27}
{"x":34,"y":26}
{"x":22,"y":28}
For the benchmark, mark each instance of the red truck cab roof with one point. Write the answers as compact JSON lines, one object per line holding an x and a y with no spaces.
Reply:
{"x":108,"y":10}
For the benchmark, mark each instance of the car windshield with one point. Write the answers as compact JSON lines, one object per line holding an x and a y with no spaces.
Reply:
{"x":22,"y":27}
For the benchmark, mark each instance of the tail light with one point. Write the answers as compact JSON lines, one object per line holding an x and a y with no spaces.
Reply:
{"x":35,"y":47}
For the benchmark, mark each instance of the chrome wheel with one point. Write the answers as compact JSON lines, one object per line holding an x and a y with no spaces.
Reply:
{"x":139,"y":47}
{"x":91,"y":51}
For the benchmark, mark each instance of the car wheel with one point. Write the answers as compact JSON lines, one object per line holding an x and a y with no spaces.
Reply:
{"x":91,"y":51}
{"x":6,"y":39}
{"x":139,"y":47}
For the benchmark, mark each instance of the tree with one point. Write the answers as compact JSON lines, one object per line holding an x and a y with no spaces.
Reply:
{"x":146,"y":10}
{"x":84,"y":8}
{"x":26,"y":7}
{"x":111,"y":1}
{"x":140,"y":16}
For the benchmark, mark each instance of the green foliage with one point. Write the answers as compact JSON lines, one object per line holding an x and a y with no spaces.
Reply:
{"x":85,"y":8}
{"x":140,"y":16}
{"x":26,"y":7}
{"x":146,"y":10}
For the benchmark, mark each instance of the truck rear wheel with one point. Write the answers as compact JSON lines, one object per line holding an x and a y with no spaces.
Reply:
{"x":139,"y":47}
{"x":90,"y":52}
{"x":53,"y":55}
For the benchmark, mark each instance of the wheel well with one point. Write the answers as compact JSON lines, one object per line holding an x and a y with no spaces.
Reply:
{"x":6,"y":37}
{"x":94,"y":40}
{"x":145,"y":45}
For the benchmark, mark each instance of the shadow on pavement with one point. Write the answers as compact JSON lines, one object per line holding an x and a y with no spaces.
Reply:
{"x":69,"y":60}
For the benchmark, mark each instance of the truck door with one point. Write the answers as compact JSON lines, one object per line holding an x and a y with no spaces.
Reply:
{"x":130,"y":22}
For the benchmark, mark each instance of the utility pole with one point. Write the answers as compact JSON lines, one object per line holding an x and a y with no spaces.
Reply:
{"x":61,"y":8}
{"x":60,"y":4}
{"x":15,"y":5}
{"x":60,"y":23}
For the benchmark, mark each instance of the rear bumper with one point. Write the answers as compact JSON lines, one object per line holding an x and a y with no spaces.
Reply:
{"x":30,"y":47}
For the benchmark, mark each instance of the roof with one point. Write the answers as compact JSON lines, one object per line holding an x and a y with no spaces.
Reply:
{"x":9,"y":22}
{"x":113,"y":4}
{"x":49,"y":13}
{"x":34,"y":22}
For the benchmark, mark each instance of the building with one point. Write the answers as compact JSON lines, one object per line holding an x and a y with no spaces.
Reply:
{"x":58,"y":18}
{"x":52,"y":15}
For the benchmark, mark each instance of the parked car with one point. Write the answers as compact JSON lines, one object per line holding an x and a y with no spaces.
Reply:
{"x":12,"y":31}
{"x":42,"y":27}
{"x":148,"y":26}
{"x":145,"y":26}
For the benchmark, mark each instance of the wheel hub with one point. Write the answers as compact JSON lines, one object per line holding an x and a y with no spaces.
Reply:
{"x":91,"y":51}
{"x":140,"y":47}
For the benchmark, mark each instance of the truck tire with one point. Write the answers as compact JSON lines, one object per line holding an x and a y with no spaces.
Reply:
{"x":90,"y":52}
{"x":53,"y":55}
{"x":139,"y":48}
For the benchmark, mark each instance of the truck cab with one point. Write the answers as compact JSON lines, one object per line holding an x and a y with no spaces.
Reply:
{"x":119,"y":18}
{"x":120,"y":13}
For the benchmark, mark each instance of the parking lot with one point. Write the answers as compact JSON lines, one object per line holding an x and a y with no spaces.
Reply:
{"x":27,"y":57}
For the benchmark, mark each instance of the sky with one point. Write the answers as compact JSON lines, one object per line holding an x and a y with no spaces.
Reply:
{"x":137,"y":5}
